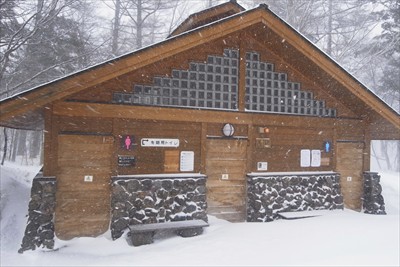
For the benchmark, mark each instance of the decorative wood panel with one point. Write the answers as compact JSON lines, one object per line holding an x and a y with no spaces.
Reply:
{"x":171,"y":161}
{"x":83,"y":208}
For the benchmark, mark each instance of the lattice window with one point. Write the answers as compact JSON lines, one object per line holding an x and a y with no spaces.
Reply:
{"x":270,"y":91}
{"x":211,"y":84}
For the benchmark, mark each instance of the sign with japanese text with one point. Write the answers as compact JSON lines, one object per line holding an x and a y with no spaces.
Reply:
{"x":159,"y":142}
{"x":126,"y":161}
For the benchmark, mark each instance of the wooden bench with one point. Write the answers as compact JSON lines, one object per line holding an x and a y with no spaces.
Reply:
{"x":293,"y":215}
{"x":142,"y":234}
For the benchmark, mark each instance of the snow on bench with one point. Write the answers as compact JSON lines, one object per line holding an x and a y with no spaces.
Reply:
{"x":292,"y":215}
{"x":142,"y":234}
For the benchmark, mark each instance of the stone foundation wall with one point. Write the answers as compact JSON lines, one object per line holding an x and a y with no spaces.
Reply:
{"x":140,"y":200}
{"x":373,"y":202}
{"x":39,"y":230}
{"x":270,"y":194}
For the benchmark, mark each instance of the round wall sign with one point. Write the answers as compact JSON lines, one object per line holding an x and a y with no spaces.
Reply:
{"x":228,"y":129}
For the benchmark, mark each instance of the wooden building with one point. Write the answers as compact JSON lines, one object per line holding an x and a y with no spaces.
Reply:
{"x":231,"y":94}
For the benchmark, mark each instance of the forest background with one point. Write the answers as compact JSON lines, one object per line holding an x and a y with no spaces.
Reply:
{"x":43,"y":40}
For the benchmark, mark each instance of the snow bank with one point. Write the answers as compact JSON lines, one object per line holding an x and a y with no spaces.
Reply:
{"x":390,"y":182}
{"x":15,"y":185}
{"x":345,"y":238}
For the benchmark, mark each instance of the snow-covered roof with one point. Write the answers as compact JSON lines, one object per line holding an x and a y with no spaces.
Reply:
{"x":61,"y":88}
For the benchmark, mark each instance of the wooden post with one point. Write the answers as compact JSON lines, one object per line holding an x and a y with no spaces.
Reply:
{"x":203,"y":140}
{"x":241,"y":101}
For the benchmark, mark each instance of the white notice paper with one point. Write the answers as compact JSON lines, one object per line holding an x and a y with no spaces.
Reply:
{"x":187,"y":161}
{"x":315,"y":158}
{"x":305,"y":158}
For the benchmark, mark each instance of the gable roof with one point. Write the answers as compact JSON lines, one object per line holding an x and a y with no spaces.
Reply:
{"x":15,"y":110}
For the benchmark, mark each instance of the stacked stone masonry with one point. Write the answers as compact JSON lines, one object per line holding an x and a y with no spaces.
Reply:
{"x":137,"y":200}
{"x":373,"y":202}
{"x":270,"y":194}
{"x":39,"y":230}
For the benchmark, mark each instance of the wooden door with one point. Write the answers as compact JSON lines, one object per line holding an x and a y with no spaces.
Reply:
{"x":350,"y":166}
{"x":226,"y":184}
{"x":83,"y":185}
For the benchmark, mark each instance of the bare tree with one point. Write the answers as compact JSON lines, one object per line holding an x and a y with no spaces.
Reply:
{"x":30,"y":32}
{"x":140,"y":22}
{"x":20,"y":22}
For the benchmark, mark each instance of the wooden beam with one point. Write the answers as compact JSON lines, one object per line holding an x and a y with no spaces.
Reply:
{"x":241,"y":101}
{"x":79,"y":109}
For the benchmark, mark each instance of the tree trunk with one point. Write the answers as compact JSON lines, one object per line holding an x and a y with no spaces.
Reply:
{"x":116,"y":26}
{"x":384,"y":151}
{"x":5,"y":146}
{"x":35,"y":144}
{"x":329,"y":43}
{"x":376,"y":156}
{"x":139,"y":25}
{"x":14,"y":144}
{"x":21,"y":148}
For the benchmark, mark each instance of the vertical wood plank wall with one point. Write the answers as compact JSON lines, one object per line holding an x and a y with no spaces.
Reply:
{"x":226,"y":161}
{"x":350,"y":166}
{"x":83,"y":206}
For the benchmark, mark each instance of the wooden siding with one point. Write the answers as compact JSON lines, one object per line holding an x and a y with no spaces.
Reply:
{"x":226,"y":161}
{"x":286,"y":144}
{"x":85,"y":125}
{"x":350,"y":166}
{"x":83,"y":208}
{"x":154,"y":159}
{"x":288,"y":134}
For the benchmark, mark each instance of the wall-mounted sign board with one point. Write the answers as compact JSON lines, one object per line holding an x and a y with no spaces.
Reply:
{"x":305,"y":159}
{"x":127,"y":141}
{"x":262,"y":166}
{"x":159,"y":142}
{"x":310,"y":158}
{"x":263,"y":142}
{"x":315,"y":158}
{"x":325,"y":161}
{"x":171,"y":160}
{"x":187,"y":161}
{"x":126,"y":161}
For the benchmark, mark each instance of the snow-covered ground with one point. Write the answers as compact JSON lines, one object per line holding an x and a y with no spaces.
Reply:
{"x":341,"y":238}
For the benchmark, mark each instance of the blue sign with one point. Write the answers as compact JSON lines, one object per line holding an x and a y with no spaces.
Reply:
{"x":327,"y":146}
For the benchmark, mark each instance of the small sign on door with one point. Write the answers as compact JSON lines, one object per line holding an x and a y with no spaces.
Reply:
{"x":262,"y":166}
{"x":88,"y":178}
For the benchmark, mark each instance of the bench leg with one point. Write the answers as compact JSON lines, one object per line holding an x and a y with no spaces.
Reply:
{"x":139,"y":239}
{"x":190,"y":232}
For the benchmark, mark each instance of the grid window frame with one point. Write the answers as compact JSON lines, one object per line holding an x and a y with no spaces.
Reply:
{"x":267,"y":90}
